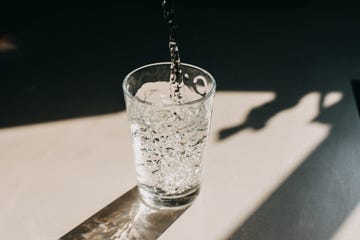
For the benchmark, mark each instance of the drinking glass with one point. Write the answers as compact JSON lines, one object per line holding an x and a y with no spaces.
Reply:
{"x":169,"y":137}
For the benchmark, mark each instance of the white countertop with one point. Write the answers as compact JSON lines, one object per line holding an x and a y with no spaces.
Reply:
{"x":55,"y":175}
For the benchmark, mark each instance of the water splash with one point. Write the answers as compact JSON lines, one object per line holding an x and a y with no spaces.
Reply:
{"x":176,"y":74}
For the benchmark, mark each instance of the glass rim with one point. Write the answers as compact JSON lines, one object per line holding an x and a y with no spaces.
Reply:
{"x":202,"y":99}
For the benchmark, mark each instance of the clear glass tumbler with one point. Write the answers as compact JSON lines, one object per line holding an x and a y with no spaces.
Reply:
{"x":169,"y":138}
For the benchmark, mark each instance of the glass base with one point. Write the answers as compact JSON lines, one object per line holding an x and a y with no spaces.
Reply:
{"x":178,"y":201}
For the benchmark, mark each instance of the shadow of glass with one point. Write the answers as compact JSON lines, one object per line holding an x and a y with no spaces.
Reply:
{"x":125,"y":218}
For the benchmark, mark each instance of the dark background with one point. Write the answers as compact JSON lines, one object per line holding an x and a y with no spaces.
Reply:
{"x":71,"y":56}
{"x":70,"y":59}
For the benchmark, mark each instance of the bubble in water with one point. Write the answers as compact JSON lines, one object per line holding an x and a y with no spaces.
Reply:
{"x":171,"y":142}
